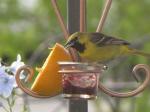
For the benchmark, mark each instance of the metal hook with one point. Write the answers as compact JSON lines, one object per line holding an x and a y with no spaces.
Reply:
{"x":134,"y":92}
{"x":29,"y":78}
{"x":104,"y":15}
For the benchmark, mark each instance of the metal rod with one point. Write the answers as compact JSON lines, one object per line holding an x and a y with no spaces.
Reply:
{"x":74,"y":26}
{"x":73,"y":22}
{"x":82,"y":15}
{"x":73,"y":16}
{"x":60,"y":18}
{"x":104,"y":15}
{"x":78,"y":106}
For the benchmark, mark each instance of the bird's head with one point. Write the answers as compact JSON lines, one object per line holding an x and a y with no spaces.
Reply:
{"x":77,"y":41}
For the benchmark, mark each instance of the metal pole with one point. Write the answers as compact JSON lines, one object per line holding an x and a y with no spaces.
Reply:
{"x":75,"y":105}
{"x":73,"y":16}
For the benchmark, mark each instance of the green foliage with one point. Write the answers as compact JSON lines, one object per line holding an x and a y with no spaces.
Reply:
{"x":142,"y":103}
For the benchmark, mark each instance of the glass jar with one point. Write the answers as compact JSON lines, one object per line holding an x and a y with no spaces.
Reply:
{"x":80,"y":80}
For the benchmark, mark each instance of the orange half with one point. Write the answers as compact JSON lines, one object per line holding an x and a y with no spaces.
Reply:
{"x":48,"y":81}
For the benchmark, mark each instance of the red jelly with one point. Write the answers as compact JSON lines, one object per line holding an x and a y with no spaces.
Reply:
{"x":79,"y":80}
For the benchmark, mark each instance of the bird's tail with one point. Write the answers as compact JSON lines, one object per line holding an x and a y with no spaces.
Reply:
{"x":137,"y":52}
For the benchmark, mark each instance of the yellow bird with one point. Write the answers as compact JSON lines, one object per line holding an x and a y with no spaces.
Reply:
{"x":98,"y":47}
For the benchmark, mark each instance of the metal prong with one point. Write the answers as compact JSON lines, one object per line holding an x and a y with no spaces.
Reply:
{"x":104,"y":15}
{"x":60,"y":18}
{"x":82,"y":15}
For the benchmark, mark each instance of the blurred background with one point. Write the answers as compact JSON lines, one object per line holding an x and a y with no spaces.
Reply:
{"x":29,"y":27}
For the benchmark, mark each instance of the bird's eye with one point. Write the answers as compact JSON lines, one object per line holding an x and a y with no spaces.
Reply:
{"x":76,"y":38}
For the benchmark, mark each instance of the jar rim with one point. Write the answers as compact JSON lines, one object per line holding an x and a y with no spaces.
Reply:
{"x":70,"y":63}
{"x":77,"y":72}
{"x":66,"y":63}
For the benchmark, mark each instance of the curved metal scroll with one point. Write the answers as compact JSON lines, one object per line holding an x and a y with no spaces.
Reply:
{"x":145,"y":83}
{"x":29,"y":78}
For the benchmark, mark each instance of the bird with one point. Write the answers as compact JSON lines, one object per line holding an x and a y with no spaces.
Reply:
{"x":99,"y":47}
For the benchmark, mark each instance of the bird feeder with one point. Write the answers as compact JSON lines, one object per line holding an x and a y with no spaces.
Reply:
{"x":80,"y":81}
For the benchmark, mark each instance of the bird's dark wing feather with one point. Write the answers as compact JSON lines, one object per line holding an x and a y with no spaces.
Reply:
{"x":101,"y":40}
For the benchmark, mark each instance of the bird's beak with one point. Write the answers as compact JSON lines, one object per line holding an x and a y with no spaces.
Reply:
{"x":69,"y":44}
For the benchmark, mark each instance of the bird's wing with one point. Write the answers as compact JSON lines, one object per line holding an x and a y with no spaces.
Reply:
{"x":101,"y":40}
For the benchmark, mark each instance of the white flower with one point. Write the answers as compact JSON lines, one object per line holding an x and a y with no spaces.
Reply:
{"x":3,"y":70}
{"x":7,"y":77}
{"x":16,"y":64}
{"x":7,"y":83}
